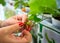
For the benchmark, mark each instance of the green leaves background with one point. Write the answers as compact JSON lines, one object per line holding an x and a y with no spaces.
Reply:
{"x":38,"y":6}
{"x":2,"y":2}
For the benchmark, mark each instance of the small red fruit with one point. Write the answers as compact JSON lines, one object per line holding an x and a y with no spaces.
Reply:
{"x":28,"y":28}
{"x":21,"y":24}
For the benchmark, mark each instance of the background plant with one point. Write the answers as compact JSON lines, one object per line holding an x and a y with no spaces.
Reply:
{"x":20,"y":2}
{"x":2,"y":2}
{"x":43,"y":6}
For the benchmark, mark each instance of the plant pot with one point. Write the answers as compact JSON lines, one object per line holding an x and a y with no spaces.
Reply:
{"x":50,"y":36}
{"x":49,"y":32}
{"x":56,"y":22}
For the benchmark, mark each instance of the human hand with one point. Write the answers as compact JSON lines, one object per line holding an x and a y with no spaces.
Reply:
{"x":15,"y":19}
{"x":7,"y":35}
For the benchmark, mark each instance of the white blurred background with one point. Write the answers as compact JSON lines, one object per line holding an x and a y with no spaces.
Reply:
{"x":2,"y":8}
{"x":8,"y":10}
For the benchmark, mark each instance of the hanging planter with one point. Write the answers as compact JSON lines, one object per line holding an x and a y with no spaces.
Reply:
{"x":56,"y":22}
{"x":50,"y":33}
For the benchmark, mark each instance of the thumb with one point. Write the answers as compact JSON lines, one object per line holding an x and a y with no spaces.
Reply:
{"x":27,"y":35}
{"x":9,"y":29}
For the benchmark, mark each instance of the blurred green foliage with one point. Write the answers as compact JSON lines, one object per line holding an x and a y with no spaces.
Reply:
{"x":20,"y":2}
{"x":40,"y":6}
{"x":44,"y":6}
{"x":2,"y":2}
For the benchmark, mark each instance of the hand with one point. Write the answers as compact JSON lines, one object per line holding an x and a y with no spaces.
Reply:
{"x":7,"y":36}
{"x":15,"y":19}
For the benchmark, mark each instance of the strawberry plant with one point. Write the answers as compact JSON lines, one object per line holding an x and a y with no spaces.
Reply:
{"x":40,"y":6}
{"x":45,"y":6}
{"x":20,"y":2}
{"x":23,"y":26}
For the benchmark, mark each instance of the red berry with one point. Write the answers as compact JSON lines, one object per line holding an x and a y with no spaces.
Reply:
{"x":21,"y":24}
{"x":24,"y":26}
{"x":28,"y":28}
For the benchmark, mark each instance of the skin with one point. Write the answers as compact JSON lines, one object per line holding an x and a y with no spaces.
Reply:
{"x":10,"y":26}
{"x":14,"y":19}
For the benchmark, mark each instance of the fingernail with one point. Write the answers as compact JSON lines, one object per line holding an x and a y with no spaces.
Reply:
{"x":21,"y":24}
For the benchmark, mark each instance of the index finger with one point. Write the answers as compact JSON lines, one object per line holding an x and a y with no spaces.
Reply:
{"x":17,"y":17}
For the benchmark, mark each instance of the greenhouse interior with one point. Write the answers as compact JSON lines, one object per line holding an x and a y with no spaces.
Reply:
{"x":29,"y":21}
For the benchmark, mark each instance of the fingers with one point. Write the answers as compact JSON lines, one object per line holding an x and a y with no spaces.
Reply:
{"x":17,"y":17}
{"x":14,"y":39}
{"x":9,"y":22}
{"x":22,"y":17}
{"x":25,"y":39}
{"x":27,"y":36}
{"x":9,"y":29}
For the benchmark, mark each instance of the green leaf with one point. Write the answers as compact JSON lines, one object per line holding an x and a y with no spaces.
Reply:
{"x":15,"y":0}
{"x":34,"y":18}
{"x":37,"y":6}
{"x":48,"y":3}
{"x":16,"y":4}
{"x":34,"y":6}
{"x":2,"y":2}
{"x":31,"y":17}
{"x":20,"y":2}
